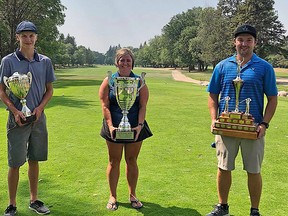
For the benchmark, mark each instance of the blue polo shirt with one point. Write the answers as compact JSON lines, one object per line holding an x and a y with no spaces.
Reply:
{"x":42,"y":73}
{"x":259,"y":79}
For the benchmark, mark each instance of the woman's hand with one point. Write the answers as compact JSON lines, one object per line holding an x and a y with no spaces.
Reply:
{"x":138,"y":130}
{"x":111,"y":130}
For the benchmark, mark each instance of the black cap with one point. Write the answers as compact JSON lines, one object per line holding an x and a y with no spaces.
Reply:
{"x":26,"y":26}
{"x":248,"y":29}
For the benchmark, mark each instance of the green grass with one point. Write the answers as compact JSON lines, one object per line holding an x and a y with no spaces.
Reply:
{"x":206,"y":75}
{"x":177,"y":165}
{"x":202,"y":76}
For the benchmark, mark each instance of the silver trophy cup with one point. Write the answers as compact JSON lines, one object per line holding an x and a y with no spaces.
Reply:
{"x":126,"y":90}
{"x":19,"y":85}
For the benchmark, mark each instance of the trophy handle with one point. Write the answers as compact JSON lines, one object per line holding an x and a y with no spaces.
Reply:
{"x":226,"y":109}
{"x":248,"y":100}
{"x":142,"y":78}
{"x":109,"y":74}
{"x":5,"y":82}
{"x":29,"y":75}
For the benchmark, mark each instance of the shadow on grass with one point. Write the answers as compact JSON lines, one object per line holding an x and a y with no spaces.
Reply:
{"x":284,"y":82}
{"x":2,"y":105}
{"x":64,"y":83}
{"x":153,"y":209}
{"x":64,"y":76}
{"x":69,"y":101}
{"x":59,"y":204}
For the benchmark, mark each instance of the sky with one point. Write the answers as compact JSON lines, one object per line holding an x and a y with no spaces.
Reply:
{"x":98,"y":24}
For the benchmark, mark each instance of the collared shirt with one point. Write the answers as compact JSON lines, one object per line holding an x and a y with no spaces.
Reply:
{"x":42,"y":72}
{"x":20,"y":56}
{"x":258,"y":79}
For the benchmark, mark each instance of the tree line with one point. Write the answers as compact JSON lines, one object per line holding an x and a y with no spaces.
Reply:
{"x":203,"y":36}
{"x":196,"y":38}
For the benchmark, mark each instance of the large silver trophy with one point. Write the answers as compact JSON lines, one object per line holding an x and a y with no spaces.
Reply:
{"x":126,"y":90}
{"x":236,"y":123}
{"x":19,"y":85}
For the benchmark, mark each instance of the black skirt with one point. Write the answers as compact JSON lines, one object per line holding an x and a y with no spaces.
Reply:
{"x":144,"y":133}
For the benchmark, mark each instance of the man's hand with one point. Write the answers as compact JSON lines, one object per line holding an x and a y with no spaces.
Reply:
{"x":18,"y":115}
{"x":261,"y":130}
{"x":212,"y":125}
{"x":37,"y":112}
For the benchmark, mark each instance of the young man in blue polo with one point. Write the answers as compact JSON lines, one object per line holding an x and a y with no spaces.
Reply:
{"x":27,"y":141}
{"x":259,"y":80}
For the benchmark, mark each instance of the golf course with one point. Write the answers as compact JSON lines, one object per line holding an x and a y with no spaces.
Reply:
{"x":177,"y":164}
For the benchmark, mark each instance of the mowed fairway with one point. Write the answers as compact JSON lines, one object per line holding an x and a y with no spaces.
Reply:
{"x":177,"y":165}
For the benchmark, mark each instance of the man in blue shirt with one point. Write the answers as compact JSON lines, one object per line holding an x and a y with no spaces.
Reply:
{"x":259,"y":80}
{"x":27,"y":140}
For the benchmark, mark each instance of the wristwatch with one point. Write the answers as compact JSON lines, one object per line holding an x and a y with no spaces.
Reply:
{"x":265,"y":124}
{"x":141,"y":124}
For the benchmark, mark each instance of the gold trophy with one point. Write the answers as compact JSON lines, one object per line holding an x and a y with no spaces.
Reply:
{"x":19,"y":85}
{"x":126,"y":90}
{"x":236,"y":123}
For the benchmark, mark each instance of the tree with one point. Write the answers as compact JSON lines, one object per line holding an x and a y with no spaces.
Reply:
{"x":155,"y":51}
{"x":185,"y":52}
{"x":262,"y":15}
{"x":172,"y":31}
{"x":80,"y":55}
{"x":278,"y":60}
{"x":90,"y":58}
{"x":281,"y":59}
{"x":213,"y":36}
{"x":143,"y":56}
{"x":99,"y":57}
{"x":228,"y":8}
{"x":110,"y":54}
{"x":62,"y":57}
{"x":46,"y":15}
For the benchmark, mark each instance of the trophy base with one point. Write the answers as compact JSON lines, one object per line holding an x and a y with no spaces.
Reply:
{"x":29,"y":119}
{"x":236,"y":133}
{"x":236,"y":124}
{"x":124,"y":135}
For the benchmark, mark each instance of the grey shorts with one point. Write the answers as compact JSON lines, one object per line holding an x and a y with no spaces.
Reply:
{"x":27,"y":142}
{"x":252,"y":152}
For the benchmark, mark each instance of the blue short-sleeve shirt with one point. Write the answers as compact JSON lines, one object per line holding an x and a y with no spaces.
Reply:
{"x":259,"y":79}
{"x":42,"y":73}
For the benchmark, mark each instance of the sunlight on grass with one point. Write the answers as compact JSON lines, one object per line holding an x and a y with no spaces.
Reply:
{"x":177,"y":165}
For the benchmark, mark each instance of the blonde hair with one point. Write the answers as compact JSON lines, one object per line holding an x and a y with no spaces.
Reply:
{"x":121,"y":52}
